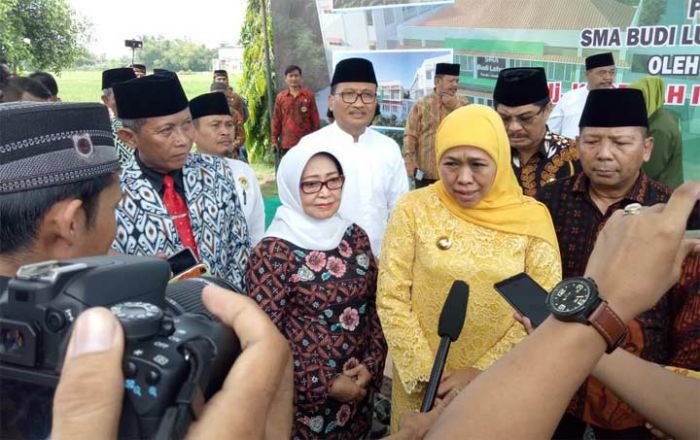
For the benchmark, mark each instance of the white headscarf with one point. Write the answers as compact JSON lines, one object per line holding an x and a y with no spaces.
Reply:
{"x":291,"y":223}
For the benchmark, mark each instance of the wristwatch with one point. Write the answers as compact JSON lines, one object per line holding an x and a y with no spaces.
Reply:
{"x":576,"y":300}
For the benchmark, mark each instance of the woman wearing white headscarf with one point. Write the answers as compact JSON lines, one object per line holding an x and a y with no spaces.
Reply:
{"x":315,"y":276}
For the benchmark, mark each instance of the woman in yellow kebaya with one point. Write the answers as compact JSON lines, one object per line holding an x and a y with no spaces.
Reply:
{"x":475,"y":225}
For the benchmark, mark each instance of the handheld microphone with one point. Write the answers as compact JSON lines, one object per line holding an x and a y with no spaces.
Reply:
{"x":450,"y":326}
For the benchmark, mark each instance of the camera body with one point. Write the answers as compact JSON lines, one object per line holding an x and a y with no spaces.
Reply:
{"x":172,"y":359}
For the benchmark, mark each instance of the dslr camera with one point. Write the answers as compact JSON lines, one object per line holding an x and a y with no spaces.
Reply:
{"x":176,"y":355}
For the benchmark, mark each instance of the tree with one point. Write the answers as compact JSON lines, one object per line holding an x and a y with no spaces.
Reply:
{"x":298,"y":41}
{"x":254,"y":83}
{"x":177,"y":55}
{"x":43,"y":34}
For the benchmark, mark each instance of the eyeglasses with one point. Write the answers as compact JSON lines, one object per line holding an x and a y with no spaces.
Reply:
{"x":350,"y":97}
{"x":314,"y":186}
{"x":521,"y":120}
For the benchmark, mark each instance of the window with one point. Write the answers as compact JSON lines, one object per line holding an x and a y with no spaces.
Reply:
{"x":368,"y":17}
{"x":388,"y":16}
{"x":429,"y":74}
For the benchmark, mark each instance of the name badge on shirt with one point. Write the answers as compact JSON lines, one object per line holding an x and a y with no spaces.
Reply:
{"x":303,"y":109}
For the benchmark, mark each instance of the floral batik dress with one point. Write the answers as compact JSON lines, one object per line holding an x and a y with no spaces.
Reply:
{"x":323,"y":302}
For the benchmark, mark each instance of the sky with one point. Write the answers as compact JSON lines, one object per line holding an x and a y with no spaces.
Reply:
{"x":209,"y":22}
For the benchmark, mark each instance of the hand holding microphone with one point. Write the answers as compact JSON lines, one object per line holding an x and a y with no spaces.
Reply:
{"x":450,"y":326}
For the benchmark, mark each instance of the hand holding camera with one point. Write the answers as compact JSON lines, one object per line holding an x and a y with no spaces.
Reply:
{"x":174,"y":360}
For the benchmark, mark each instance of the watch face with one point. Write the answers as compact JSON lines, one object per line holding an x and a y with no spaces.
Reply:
{"x":570,"y":298}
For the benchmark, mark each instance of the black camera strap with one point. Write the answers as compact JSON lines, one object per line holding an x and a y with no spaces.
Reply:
{"x":190,"y":400}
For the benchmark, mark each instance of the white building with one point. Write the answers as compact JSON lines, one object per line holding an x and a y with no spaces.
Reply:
{"x":229,"y":59}
{"x":424,"y":78}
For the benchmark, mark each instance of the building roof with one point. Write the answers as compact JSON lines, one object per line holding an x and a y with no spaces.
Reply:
{"x":532,"y":14}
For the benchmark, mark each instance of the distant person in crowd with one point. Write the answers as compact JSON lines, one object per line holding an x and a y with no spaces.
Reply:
{"x":221,"y":75}
{"x":423,"y":121}
{"x":295,"y":114}
{"x":376,"y":172}
{"x":475,"y":225}
{"x":600,"y":74}
{"x":315,"y":275}
{"x":20,"y":88}
{"x":235,"y":106}
{"x":613,"y":145}
{"x":48,"y":81}
{"x":215,"y":134}
{"x":666,"y":162}
{"x":174,"y":199}
{"x":139,"y":70}
{"x":109,"y":78}
{"x":521,"y":98}
{"x":59,"y":186}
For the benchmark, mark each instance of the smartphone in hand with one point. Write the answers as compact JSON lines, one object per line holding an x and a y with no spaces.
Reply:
{"x":526,"y":296}
{"x":184,"y":264}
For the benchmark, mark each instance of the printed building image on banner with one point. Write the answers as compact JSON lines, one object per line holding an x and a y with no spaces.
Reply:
{"x":647,"y":38}
{"x":350,"y":4}
{"x":403,"y":77}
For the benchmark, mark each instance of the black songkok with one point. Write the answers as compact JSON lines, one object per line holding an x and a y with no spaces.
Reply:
{"x":49,"y":144}
{"x":600,"y":60}
{"x":163,"y":72}
{"x":521,"y":86}
{"x":354,"y":70}
{"x":614,"y":108}
{"x":447,"y":69}
{"x":150,"y":96}
{"x":113,"y":76}
{"x":209,"y":104}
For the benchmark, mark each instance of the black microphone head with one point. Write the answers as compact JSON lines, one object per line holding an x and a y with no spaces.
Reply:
{"x":454,"y":311}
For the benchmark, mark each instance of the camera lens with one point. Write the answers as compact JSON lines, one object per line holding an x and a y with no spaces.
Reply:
{"x":186,"y":296}
{"x":12,"y":341}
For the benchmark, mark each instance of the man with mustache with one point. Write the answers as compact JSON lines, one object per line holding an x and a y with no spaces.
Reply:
{"x":613,"y":145}
{"x":521,"y":98}
{"x":600,"y":74}
{"x":426,"y":114}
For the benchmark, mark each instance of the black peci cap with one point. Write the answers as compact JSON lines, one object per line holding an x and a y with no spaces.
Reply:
{"x":49,"y":144}
{"x":614,"y":108}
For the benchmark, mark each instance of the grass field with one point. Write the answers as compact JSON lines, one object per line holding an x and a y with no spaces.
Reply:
{"x":84,"y":86}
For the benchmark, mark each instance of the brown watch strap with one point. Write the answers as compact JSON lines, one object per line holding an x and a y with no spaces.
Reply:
{"x":609,"y":325}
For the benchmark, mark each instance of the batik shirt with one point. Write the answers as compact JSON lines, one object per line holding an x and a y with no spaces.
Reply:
{"x":668,"y":334}
{"x":144,"y":226}
{"x":557,"y":158}
{"x":124,"y":153}
{"x":421,"y":126}
{"x":294,"y":117}
{"x":323,"y":302}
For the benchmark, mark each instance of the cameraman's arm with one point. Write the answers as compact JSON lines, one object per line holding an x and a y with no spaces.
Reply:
{"x":668,"y":400}
{"x":636,"y":259}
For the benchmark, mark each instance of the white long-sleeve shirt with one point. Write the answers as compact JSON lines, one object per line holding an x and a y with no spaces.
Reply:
{"x":375,"y":182}
{"x":251,"y":199}
{"x":567,"y":113}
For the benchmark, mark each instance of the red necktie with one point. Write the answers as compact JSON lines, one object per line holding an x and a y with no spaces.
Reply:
{"x":177,"y":208}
